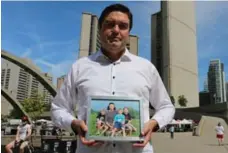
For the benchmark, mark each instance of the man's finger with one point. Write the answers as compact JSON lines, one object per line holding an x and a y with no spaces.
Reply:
{"x":97,"y":143}
{"x":143,"y":144}
{"x":146,"y":140}
{"x":86,"y":142}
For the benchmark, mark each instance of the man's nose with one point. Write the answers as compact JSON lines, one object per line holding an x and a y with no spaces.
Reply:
{"x":116,"y":28}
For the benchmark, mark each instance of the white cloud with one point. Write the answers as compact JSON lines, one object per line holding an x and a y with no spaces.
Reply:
{"x":32,"y":36}
{"x":41,"y":61}
{"x":27,"y":53}
{"x":56,"y":70}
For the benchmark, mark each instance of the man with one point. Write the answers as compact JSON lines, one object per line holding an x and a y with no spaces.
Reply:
{"x":219,"y":133}
{"x":112,"y":71}
{"x":24,"y":132}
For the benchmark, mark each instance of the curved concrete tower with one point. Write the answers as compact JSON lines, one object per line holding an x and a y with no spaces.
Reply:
{"x":177,"y":61}
{"x":180,"y":50}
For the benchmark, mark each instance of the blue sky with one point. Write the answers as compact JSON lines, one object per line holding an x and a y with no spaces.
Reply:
{"x":103,"y":104}
{"x":49,"y":32}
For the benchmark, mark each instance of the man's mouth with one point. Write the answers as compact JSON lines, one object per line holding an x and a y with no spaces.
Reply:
{"x":114,"y":39}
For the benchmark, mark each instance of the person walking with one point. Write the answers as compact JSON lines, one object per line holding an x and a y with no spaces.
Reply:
{"x":171,"y":132}
{"x":219,"y":133}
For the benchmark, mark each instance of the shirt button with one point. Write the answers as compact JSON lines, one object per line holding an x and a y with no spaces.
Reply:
{"x":114,"y":145}
{"x":113,"y":77}
{"x":113,"y":93}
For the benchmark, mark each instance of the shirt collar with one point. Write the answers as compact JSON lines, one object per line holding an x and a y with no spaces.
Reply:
{"x":125,"y":57}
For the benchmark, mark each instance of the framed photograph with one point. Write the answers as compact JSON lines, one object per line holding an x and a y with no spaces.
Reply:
{"x":114,"y":119}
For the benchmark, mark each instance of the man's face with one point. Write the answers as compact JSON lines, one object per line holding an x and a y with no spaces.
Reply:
{"x":114,"y":32}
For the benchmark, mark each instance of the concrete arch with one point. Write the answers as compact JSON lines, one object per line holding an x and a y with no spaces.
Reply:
{"x":21,"y":63}
{"x":13,"y":101}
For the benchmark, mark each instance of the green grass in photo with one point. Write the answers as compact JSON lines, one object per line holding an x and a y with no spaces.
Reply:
{"x":93,"y":130}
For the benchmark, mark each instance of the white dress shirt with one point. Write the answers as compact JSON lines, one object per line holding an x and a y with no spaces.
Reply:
{"x":96,"y":75}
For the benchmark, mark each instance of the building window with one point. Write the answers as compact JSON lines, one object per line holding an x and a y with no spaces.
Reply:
{"x":7,"y":79}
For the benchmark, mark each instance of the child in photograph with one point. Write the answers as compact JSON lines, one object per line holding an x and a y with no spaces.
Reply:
{"x":119,"y":121}
{"x":128,"y":119}
{"x":100,"y":121}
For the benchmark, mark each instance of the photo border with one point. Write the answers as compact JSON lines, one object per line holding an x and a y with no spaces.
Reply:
{"x":116,"y":98}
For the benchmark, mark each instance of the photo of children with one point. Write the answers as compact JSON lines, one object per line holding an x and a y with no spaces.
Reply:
{"x":118,"y":119}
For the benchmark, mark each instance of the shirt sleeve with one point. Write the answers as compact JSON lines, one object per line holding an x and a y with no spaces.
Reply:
{"x":160,"y":100}
{"x":63,"y":105}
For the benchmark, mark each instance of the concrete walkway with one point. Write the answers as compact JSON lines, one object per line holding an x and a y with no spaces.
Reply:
{"x":186,"y":143}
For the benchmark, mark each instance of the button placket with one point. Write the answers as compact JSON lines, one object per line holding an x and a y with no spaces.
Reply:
{"x":113,"y":75}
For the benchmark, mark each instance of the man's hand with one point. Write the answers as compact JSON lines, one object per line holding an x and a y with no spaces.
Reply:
{"x":80,"y":128}
{"x":147,"y":131}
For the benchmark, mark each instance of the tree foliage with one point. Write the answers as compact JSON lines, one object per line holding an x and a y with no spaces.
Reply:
{"x":15,"y":114}
{"x":34,"y":105}
{"x":182,"y":101}
{"x":134,"y":113}
{"x":4,"y":118}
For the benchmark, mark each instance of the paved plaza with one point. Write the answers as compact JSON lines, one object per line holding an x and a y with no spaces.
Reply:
{"x":186,"y":143}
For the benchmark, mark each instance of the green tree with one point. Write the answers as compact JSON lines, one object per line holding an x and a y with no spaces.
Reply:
{"x":134,"y":113}
{"x":34,"y":105}
{"x":172,"y":100}
{"x":182,"y":101}
{"x":15,"y":114}
{"x":4,"y":118}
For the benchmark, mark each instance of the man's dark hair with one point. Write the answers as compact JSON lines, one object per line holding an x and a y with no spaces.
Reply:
{"x":115,"y":7}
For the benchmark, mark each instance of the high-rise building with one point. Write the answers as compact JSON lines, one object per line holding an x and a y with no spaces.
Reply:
{"x":206,"y":98}
{"x":46,"y":93}
{"x":19,"y":83}
{"x":174,"y":50}
{"x":156,"y":45}
{"x":90,"y":38}
{"x":133,"y":44}
{"x":227,"y":91}
{"x":60,"y":81}
{"x":205,"y":85}
{"x":216,"y":80}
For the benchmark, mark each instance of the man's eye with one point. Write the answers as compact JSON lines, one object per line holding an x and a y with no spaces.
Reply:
{"x":123,"y":26}
{"x":110,"y":24}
